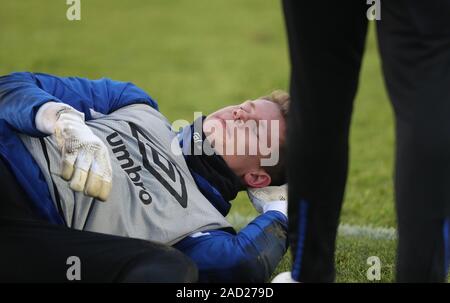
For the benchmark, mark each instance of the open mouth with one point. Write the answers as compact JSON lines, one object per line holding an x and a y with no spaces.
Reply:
{"x":223,"y":123}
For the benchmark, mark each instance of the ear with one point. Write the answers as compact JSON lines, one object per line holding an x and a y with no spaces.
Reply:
{"x":257,"y":179}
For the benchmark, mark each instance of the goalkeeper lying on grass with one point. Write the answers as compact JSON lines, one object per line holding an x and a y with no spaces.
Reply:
{"x":98,"y":156}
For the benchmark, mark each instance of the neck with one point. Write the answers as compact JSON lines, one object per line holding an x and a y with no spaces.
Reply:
{"x":211,"y":167}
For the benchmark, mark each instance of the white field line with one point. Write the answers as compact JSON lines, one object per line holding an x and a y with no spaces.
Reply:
{"x":347,"y":230}
{"x":368,"y":231}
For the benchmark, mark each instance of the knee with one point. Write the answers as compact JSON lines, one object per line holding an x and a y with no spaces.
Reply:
{"x":166,"y":266}
{"x":429,"y":140}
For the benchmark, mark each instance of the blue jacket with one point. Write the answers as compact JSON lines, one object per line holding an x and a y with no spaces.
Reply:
{"x":250,"y":255}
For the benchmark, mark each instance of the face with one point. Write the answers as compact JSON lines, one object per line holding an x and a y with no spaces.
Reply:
{"x":244,"y":135}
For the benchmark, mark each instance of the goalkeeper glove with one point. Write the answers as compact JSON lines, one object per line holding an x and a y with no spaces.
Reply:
{"x":269,"y":198}
{"x":85,"y":158}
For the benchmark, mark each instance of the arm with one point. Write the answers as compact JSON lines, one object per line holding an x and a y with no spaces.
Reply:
{"x":22,"y":94}
{"x":250,"y":256}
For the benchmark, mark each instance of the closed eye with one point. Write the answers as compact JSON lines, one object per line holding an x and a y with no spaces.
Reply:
{"x":247,"y":106}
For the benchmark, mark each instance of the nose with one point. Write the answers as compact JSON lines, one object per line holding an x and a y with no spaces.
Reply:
{"x":240,"y":114}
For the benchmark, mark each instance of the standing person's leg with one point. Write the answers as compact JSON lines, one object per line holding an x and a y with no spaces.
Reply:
{"x":414,"y":41}
{"x":326,"y":41}
{"x":35,"y":251}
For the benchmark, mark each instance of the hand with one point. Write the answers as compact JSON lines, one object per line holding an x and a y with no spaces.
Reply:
{"x":269,"y":198}
{"x":85,"y":159}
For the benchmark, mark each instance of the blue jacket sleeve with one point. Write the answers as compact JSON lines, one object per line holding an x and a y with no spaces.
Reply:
{"x":249,"y":256}
{"x":21,"y":95}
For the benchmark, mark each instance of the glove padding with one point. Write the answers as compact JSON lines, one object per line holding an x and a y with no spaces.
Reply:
{"x":269,"y":198}
{"x":85,"y":159}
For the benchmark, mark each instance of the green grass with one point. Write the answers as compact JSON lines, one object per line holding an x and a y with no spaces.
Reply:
{"x":199,"y":56}
{"x":351,"y":259}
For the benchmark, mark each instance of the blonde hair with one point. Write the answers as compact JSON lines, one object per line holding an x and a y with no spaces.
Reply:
{"x":281,"y":98}
{"x":278,"y":171}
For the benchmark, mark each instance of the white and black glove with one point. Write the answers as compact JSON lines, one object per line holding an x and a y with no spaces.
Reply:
{"x":269,"y":198}
{"x":85,"y":158}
